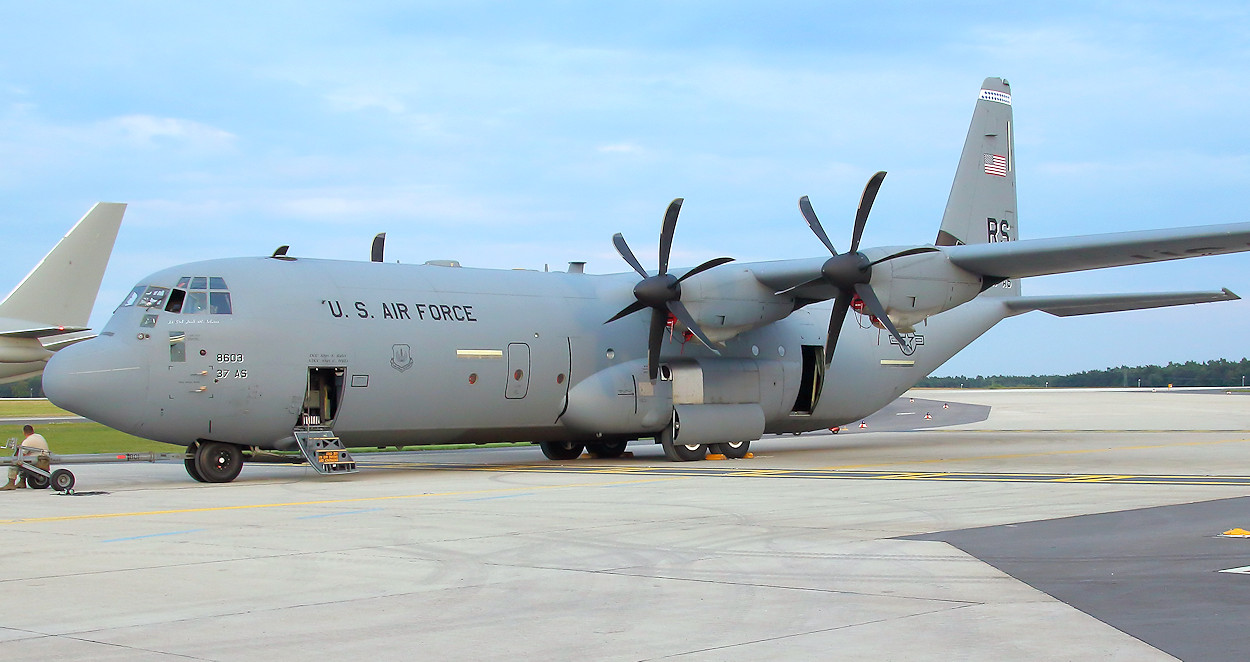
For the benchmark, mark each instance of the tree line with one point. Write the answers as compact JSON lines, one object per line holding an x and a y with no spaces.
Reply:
{"x":1220,"y":372}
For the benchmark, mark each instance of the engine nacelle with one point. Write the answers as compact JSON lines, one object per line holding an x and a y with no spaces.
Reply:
{"x":916,"y":286}
{"x":22,"y":350}
{"x":730,"y":301}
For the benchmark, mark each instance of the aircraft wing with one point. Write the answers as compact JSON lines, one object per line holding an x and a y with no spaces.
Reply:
{"x":1089,"y":304}
{"x":1038,"y":257}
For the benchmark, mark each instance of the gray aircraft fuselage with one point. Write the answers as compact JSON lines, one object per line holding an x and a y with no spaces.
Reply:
{"x":434,"y":354}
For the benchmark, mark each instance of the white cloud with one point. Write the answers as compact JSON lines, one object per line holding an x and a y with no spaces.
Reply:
{"x":150,"y":131}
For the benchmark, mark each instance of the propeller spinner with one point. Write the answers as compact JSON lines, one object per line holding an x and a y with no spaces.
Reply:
{"x":662,"y":292}
{"x":851,"y":272}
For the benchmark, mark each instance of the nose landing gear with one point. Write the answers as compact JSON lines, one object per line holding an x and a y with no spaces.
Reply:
{"x":213,"y":461}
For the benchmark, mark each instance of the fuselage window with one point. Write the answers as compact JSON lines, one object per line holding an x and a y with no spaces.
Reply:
{"x":133,"y":296}
{"x":196,"y":302}
{"x":175,"y":301}
{"x":219,"y":303}
{"x":177,"y":347}
{"x":153,"y":297}
{"x":217,"y":283}
{"x":199,"y":283}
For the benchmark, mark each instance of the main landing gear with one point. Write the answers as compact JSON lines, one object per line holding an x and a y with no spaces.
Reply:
{"x":213,"y":461}
{"x":677,"y":452}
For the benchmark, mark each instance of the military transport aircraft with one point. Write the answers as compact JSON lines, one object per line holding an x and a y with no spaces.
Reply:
{"x":48,"y":310}
{"x":235,"y":356}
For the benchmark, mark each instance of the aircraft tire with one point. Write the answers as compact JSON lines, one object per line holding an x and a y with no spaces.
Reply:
{"x":680,"y":452}
{"x":606,"y":449}
{"x":36,"y":482}
{"x":217,"y":462}
{"x":189,"y":463}
{"x":561,"y":450}
{"x":733,"y":449}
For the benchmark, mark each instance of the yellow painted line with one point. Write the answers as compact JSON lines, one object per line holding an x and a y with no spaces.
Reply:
{"x":289,"y":504}
{"x":1091,"y":479}
{"x":1014,"y":456}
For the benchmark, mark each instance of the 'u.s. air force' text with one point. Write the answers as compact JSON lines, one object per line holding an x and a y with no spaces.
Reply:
{"x":436,"y":312}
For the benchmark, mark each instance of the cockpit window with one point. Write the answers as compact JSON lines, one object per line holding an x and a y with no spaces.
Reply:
{"x":153,"y":297}
{"x":219,"y":303}
{"x":133,"y":296}
{"x":196,"y":302}
{"x":175,"y":301}
{"x":215,"y":301}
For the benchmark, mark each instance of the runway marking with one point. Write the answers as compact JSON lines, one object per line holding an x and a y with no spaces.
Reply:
{"x":288,"y":504}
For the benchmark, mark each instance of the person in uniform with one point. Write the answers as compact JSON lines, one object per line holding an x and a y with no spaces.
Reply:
{"x":32,"y":444}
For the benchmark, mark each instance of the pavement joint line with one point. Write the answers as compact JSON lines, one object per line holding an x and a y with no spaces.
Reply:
{"x":289,"y":504}
{"x":1013,"y":456}
{"x":853,"y":474}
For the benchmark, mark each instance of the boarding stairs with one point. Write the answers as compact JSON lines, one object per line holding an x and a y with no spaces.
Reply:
{"x":324,"y":451}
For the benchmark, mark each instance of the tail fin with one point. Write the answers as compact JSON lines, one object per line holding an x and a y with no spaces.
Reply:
{"x":58,"y":294}
{"x":982,"y":205}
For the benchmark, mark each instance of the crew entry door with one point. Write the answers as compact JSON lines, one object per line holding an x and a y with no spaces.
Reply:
{"x":518,"y":371}
{"x":322,"y":397}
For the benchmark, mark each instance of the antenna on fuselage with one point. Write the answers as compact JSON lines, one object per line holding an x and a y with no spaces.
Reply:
{"x":280,"y":251}
{"x":379,"y":244}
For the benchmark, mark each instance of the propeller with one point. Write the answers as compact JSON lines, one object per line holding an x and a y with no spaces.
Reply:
{"x":851,"y":272}
{"x":662,"y":292}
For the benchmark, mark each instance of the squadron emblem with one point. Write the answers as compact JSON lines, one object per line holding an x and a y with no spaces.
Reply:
{"x":401,"y":357}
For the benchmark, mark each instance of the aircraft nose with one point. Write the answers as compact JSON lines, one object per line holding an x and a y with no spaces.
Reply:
{"x":101,"y":379}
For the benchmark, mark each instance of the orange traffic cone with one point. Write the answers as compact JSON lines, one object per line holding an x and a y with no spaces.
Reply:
{"x":928,"y":416}
{"x":863,"y":424}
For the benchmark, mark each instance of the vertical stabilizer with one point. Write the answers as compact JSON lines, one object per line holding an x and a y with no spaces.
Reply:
{"x":982,"y":205}
{"x":62,"y":288}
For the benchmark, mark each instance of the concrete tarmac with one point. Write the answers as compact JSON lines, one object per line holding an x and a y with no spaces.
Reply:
{"x":498,"y":554}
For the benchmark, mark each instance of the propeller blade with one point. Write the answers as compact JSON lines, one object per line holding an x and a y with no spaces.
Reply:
{"x":618,"y":240}
{"x":666,"y":232}
{"x":628,"y":310}
{"x":705,"y":266}
{"x":865,"y":206}
{"x":379,"y":245}
{"x":864,"y":290}
{"x":659,"y":322}
{"x":805,"y":206}
{"x":683,"y":315}
{"x":910,"y":251}
{"x":840,"y":306}
{"x":804,"y":284}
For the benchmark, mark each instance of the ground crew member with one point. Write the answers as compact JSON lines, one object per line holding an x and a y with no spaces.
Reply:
{"x":33,"y":444}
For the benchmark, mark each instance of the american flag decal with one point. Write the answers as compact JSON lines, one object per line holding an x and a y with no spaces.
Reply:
{"x":995,"y":164}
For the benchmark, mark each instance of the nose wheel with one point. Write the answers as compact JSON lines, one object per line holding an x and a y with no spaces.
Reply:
{"x":213,"y":461}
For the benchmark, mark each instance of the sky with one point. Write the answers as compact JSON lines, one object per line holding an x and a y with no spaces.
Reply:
{"x":508,"y":135}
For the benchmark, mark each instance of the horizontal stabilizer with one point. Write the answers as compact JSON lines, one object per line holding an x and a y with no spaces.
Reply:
{"x":1089,"y":304}
{"x":12,"y":328}
{"x":1038,"y":257}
